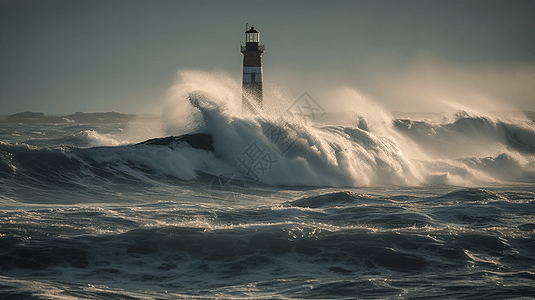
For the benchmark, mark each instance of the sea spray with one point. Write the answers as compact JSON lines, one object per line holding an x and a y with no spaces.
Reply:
{"x":180,"y":117}
{"x":372,"y":149}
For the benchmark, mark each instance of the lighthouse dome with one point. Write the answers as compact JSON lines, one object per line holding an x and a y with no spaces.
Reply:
{"x":252,"y":30}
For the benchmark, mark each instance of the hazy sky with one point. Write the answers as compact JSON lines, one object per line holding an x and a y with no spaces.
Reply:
{"x":59,"y":56}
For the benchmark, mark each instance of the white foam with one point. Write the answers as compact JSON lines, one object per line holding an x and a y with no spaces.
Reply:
{"x":99,"y":139}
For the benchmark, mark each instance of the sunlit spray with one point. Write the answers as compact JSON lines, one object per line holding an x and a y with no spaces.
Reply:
{"x":180,"y":116}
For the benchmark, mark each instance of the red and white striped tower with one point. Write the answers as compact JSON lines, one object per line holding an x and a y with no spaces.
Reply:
{"x":252,"y":90}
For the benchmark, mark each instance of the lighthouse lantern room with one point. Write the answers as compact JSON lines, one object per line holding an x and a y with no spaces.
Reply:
{"x":252,"y":35}
{"x":252,"y":87}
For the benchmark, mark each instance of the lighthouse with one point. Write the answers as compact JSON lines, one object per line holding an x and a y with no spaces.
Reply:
{"x":252,"y":89}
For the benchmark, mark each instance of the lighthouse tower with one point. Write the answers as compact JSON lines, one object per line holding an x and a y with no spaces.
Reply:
{"x":252,"y":90}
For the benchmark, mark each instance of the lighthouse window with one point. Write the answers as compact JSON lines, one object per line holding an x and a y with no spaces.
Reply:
{"x":252,"y":37}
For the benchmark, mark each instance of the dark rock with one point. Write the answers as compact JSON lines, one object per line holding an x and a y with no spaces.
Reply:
{"x":201,"y":141}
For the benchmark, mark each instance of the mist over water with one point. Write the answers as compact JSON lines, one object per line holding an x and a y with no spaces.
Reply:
{"x":342,"y":205}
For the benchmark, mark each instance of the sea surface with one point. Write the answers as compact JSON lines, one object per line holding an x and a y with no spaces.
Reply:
{"x":283,"y":208}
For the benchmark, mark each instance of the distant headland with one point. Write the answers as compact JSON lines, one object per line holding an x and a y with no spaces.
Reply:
{"x":78,"y":117}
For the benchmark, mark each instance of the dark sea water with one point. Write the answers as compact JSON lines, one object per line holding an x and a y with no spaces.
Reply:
{"x":281,"y":209}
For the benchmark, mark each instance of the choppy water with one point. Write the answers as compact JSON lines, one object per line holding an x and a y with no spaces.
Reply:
{"x":411,"y":209}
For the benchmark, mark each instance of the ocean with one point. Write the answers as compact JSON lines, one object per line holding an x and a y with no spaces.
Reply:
{"x":364,"y":206}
